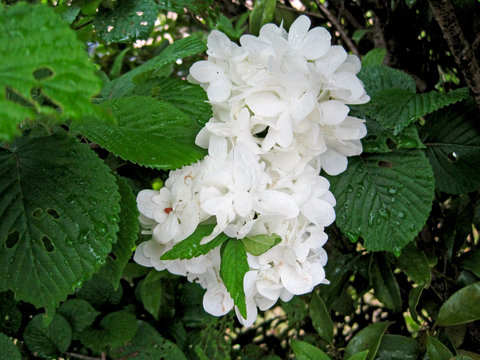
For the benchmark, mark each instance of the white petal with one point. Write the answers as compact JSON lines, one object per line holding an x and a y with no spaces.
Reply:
{"x":217,"y":147}
{"x":299,"y":29}
{"x":331,"y":61}
{"x":140,"y":258}
{"x":167,"y":231}
{"x":219,"y":90}
{"x":302,"y":106}
{"x":319,"y":212}
{"x":333,"y":112}
{"x":295,"y":280}
{"x":265,"y":103}
{"x":317,"y":43}
{"x":217,"y":301}
{"x":145,"y":204}
{"x":243,"y":203}
{"x":277,"y":203}
{"x":205,"y":71}
{"x":252,"y":313}
{"x":333,"y":163}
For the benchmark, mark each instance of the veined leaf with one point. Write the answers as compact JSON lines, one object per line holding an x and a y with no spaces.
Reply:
{"x":62,"y":74}
{"x":385,"y":198}
{"x":58,"y":217}
{"x":79,"y":314}
{"x":466,"y":299}
{"x":233,"y":268}
{"x":190,"y":247}
{"x":258,"y":244}
{"x":377,"y":78}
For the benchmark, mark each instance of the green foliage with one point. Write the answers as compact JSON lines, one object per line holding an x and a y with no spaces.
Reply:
{"x":306,"y":351}
{"x":397,"y":347}
{"x":367,"y":339}
{"x":384,"y":283}
{"x":466,"y":299}
{"x":262,"y":13}
{"x":79,"y":314}
{"x":7,"y":349}
{"x":321,"y":319}
{"x":156,"y":295}
{"x":258,"y":244}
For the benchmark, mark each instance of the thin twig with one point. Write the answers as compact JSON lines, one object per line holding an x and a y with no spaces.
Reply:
{"x":81,"y":356}
{"x":444,"y":13}
{"x":338,"y":26}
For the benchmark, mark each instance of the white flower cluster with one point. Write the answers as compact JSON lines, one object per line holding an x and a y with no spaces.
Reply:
{"x":279,"y":117}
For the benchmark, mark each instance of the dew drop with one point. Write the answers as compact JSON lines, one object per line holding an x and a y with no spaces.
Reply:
{"x":384,"y":213}
{"x":358,"y":195}
{"x":353,"y":237}
{"x":392,"y":191}
{"x":397,"y":252}
{"x":349,"y":189}
{"x":401,"y":215}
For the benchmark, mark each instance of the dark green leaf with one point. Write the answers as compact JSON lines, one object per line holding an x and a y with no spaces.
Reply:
{"x":166,"y":134}
{"x":296,"y":311}
{"x":359,"y":356}
{"x":374,"y":57}
{"x":100,"y":293}
{"x":384,"y":283}
{"x":465,"y":299}
{"x":10,"y":314}
{"x":233,"y":268}
{"x":114,"y":330}
{"x":190,"y":247}
{"x":117,"y":64}
{"x":338,"y":271}
{"x":397,"y":347}
{"x":306,"y":351}
{"x":62,"y":74}
{"x":48,"y":342}
{"x":471,"y":261}
{"x":436,"y":350}
{"x":258,"y":244}
{"x":8,"y":350}
{"x":128,"y":21}
{"x":413,"y":299}
{"x":79,"y":314}
{"x":415,"y":264}
{"x":58,"y":217}
{"x":452,"y":137}
{"x":157,"y":295}
{"x":472,"y":355}
{"x":367,"y":339}
{"x":384,"y":198}
{"x":321,"y":319}
{"x":378,"y":78}
{"x":126,"y":236}
{"x":410,"y":3}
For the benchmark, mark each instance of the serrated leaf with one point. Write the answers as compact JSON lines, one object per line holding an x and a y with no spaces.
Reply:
{"x":148,"y":344}
{"x":179,"y":49}
{"x":368,"y":338}
{"x":374,"y":57}
{"x":306,"y":351}
{"x":79,"y":314}
{"x":100,"y":293}
{"x":8,"y":350}
{"x":466,"y":299}
{"x":377,"y":78}
{"x":126,"y":236}
{"x":436,"y":350}
{"x":58,"y":217}
{"x":321,"y":319}
{"x":233,"y":268}
{"x":452,"y":137}
{"x":178,"y":6}
{"x":113,"y":331}
{"x":385,"y":285}
{"x":190,"y":247}
{"x":62,"y":73}
{"x":397,"y":347}
{"x":157,"y":295}
{"x":397,"y":108}
{"x":384,"y":198}
{"x":414,"y":263}
{"x":127,"y":22}
{"x":48,"y":342}
{"x":258,"y":244}
{"x":149,"y":132}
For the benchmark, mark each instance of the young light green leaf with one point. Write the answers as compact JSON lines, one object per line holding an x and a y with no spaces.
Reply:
{"x":79,"y":314}
{"x":466,"y":299}
{"x":157,"y":295}
{"x":321,"y":319}
{"x":306,"y":351}
{"x":190,"y":247}
{"x":8,"y":350}
{"x":258,"y":244}
{"x":62,"y":73}
{"x":395,"y":347}
{"x":385,"y":198}
{"x":374,"y":57}
{"x":414,"y":263}
{"x":452,"y":137}
{"x":233,"y":268}
{"x":48,"y":342}
{"x":384,"y":283}
{"x":368,"y":338}
{"x":58,"y":210}
{"x":436,"y":350}
{"x":166,"y":134}
{"x":127,"y":22}
{"x":362,"y":355}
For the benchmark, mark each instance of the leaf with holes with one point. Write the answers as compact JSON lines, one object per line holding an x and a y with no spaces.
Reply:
{"x":61,"y":75}
{"x":128,"y":21}
{"x":452,"y":137}
{"x":166,"y":134}
{"x":58,"y":217}
{"x":385,"y":198}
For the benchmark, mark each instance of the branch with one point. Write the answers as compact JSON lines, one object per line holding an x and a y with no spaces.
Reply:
{"x":338,"y":26}
{"x":444,"y":13}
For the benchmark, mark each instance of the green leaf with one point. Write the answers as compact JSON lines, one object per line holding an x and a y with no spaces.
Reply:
{"x":359,"y":356}
{"x":126,"y":236}
{"x":384,"y":198}
{"x":359,"y":34}
{"x":368,"y":338}
{"x":414,"y":263}
{"x":472,"y":355}
{"x":452,"y":137}
{"x":377,"y":78}
{"x":384,"y":283}
{"x":190,"y":247}
{"x":397,"y":347}
{"x":179,"y":49}
{"x":10,"y":314}
{"x":117,"y":64}
{"x":374,"y":57}
{"x":262,"y":13}
{"x":148,"y":344}
{"x":413,"y":299}
{"x":157,"y":295}
{"x":258,"y":244}
{"x":321,"y":319}
{"x":466,"y":300}
{"x":410,"y":3}
{"x":48,"y":342}
{"x":436,"y":350}
{"x":150,"y":132}
{"x":127,"y":22}
{"x":58,"y":217}
{"x":114,"y":330}
{"x":8,"y":350}
{"x":233,"y":268}
{"x":306,"y":351}
{"x":100,"y":293}
{"x":62,"y":74}
{"x":397,"y":108}
{"x":471,"y":261}
{"x":79,"y":314}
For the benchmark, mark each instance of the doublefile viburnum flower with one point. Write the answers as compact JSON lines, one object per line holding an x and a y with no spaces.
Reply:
{"x":280,"y":116}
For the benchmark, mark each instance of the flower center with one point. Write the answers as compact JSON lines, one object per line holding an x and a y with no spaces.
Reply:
{"x":167,"y":210}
